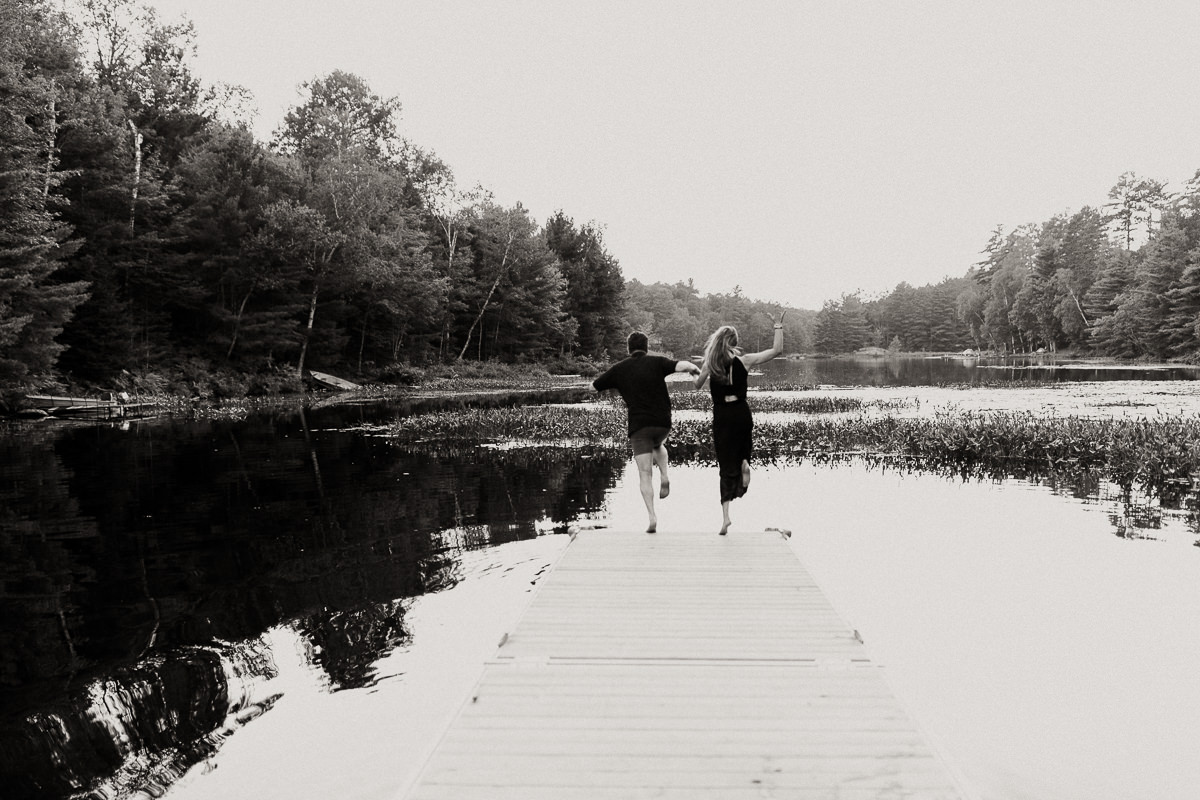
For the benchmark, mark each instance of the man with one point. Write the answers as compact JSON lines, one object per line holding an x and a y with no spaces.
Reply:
{"x":640,"y":379}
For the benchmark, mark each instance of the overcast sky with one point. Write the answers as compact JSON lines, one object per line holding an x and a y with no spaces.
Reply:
{"x":796,"y":149}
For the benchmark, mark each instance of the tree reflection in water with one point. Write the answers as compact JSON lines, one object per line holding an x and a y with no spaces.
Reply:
{"x":140,"y":569}
{"x":1135,"y":512}
{"x":143,"y":570}
{"x":346,"y":644}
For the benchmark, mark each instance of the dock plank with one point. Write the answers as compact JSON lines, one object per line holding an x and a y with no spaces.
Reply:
{"x":682,"y":665}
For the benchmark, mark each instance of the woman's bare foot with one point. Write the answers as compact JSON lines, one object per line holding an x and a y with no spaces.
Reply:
{"x":724,"y":529}
{"x":745,"y":474}
{"x":664,"y":489}
{"x":652,"y":527}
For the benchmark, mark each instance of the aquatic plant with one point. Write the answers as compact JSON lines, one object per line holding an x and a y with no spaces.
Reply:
{"x":784,"y":386}
{"x":1160,"y":455}
{"x":785,"y":403}
{"x":601,"y":422}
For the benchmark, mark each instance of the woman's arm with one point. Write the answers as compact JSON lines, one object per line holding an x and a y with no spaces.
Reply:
{"x":750,"y":359}
{"x":701,"y":377}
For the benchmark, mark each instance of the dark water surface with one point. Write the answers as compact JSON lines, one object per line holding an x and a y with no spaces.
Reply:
{"x":141,"y":565}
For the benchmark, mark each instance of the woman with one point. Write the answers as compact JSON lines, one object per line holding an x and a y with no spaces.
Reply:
{"x":726,"y":366}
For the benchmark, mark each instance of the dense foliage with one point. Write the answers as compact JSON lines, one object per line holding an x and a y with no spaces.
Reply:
{"x":1122,"y":280}
{"x":148,"y":237}
{"x":144,"y":233}
{"x":680,"y":319}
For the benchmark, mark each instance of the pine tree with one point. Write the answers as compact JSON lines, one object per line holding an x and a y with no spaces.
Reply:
{"x":35,"y":60}
{"x":594,"y":284}
{"x":1112,"y":279}
{"x":1156,"y":277}
{"x":828,"y":331}
{"x":1182,"y":327}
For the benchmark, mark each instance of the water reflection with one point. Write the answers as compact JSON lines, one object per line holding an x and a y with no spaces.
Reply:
{"x":347,"y":644}
{"x":1134,"y":513}
{"x":143,"y":725}
{"x":139,"y":564}
{"x":941,"y":370}
{"x":143,"y":569}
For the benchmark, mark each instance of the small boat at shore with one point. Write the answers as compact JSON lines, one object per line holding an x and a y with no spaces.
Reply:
{"x":63,"y":401}
{"x":332,"y":381}
{"x":106,"y":406}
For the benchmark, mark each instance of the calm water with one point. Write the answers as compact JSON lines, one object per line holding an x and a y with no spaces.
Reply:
{"x":290,"y":605}
{"x":875,"y":371}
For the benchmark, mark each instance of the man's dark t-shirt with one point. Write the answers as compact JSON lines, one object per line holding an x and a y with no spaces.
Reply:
{"x":639,"y":379}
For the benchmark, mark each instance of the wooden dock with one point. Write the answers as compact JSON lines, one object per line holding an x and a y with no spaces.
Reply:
{"x":681,"y":666}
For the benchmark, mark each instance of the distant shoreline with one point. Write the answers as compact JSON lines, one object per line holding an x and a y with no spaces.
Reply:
{"x":469,"y":378}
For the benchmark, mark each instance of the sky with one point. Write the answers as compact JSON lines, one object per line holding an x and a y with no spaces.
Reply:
{"x":796,"y":150}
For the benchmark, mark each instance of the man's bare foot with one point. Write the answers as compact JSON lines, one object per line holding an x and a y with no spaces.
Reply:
{"x":652,"y":527}
{"x":745,"y":474}
{"x":664,"y":489}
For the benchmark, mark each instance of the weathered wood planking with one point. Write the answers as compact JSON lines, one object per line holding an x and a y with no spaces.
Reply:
{"x":681,"y":666}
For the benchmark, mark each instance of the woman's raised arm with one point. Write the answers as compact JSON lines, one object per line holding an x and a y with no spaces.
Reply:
{"x":750,"y":359}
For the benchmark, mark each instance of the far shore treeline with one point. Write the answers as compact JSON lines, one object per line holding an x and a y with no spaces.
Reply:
{"x":150,"y":242}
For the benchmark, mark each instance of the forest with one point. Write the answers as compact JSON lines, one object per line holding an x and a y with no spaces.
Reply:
{"x":1119,"y":280}
{"x":149,"y":241}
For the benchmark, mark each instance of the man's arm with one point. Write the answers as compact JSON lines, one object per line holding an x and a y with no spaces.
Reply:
{"x":604,"y":381}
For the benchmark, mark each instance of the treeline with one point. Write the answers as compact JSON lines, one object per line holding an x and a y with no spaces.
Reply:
{"x":1120,"y":280}
{"x":908,"y":319}
{"x":148,"y":238}
{"x":145,"y":230}
{"x":680,"y":319}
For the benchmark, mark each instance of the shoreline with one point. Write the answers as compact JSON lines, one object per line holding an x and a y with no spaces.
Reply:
{"x":454,"y":381}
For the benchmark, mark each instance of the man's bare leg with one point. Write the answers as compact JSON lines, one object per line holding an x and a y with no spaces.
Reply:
{"x":664,"y":477}
{"x":645,"y":468}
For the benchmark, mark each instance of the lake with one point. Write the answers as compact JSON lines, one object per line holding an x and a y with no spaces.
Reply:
{"x":293,"y":604}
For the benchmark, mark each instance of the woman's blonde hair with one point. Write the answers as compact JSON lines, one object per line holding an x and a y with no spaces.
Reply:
{"x":719,"y":352}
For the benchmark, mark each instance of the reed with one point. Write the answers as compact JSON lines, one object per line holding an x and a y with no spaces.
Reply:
{"x":1155,"y":454}
{"x":1160,"y":455}
{"x":599,"y":423}
{"x":788,"y":403}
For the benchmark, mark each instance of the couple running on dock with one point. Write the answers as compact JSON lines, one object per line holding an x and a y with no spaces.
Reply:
{"x":641,"y":381}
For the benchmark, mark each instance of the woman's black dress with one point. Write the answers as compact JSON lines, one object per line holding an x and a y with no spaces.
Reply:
{"x":733,"y":429}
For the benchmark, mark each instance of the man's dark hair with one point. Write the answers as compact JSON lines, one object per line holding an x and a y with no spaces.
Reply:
{"x":638,"y":341}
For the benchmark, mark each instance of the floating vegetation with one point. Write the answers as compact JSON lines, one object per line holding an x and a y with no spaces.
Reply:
{"x":792,"y":404}
{"x":784,"y":386}
{"x":702,"y":401}
{"x":604,"y":422}
{"x":978,"y":382}
{"x":999,"y":383}
{"x":1159,"y":455}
